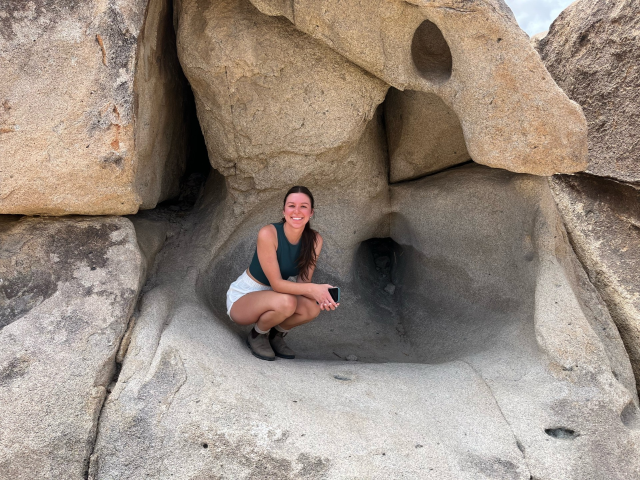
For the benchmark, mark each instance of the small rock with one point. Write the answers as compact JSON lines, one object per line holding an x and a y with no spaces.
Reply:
{"x":390,"y":288}
{"x":352,"y":358}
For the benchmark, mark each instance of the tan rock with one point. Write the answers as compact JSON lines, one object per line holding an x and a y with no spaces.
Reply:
{"x":424,"y":135}
{"x":474,"y":56}
{"x":603,"y":221}
{"x":273,"y":103}
{"x":67,"y":290}
{"x":89,"y":96}
{"x":537,"y":38}
{"x":592,"y":52}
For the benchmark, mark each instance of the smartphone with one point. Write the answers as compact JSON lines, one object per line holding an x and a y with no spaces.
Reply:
{"x":335,"y":294}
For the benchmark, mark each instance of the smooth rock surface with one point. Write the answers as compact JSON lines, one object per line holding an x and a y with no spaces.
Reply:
{"x":548,"y":392}
{"x":472,"y":55}
{"x":592,"y":52}
{"x":423,"y":134}
{"x":273,"y":103}
{"x":603,"y":221}
{"x":67,"y":290}
{"x":91,"y":101}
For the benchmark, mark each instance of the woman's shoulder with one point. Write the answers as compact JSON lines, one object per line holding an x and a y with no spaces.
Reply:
{"x":318,"y":239}
{"x":268,"y":232}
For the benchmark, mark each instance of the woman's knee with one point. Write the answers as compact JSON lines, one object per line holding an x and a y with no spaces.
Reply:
{"x":287,"y":304}
{"x":309,"y":309}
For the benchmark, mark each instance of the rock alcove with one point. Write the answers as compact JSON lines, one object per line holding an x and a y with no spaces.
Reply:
{"x":470,"y":342}
{"x":461,"y":279}
{"x":475,"y":347}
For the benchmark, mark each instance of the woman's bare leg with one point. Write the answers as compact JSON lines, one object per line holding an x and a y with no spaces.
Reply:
{"x":306,"y":310}
{"x":266,"y":308}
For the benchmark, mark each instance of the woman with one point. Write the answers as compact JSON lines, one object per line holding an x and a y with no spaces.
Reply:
{"x":263,"y":296}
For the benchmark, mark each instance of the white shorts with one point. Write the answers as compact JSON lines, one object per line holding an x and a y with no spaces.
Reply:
{"x":243,"y":285}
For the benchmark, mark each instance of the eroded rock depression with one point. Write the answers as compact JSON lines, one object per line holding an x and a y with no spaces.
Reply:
{"x":470,"y":342}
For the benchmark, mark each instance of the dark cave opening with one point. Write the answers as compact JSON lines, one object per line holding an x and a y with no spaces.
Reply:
{"x":197,"y":168}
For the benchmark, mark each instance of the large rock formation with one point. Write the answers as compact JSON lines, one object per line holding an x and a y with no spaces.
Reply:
{"x":603,"y":220}
{"x":592,"y":52}
{"x":514,"y":370}
{"x":480,"y":305}
{"x":471,"y":54}
{"x":470,"y":343}
{"x":67,"y":290}
{"x":90,"y":93}
{"x":273,"y":103}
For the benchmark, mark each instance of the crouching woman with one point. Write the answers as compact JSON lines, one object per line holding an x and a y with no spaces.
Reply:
{"x":275,"y":293}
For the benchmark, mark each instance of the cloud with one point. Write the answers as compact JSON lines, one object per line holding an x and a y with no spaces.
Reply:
{"x":536,"y":16}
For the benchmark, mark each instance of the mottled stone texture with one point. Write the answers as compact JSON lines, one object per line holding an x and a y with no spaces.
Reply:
{"x":67,"y":290}
{"x":91,"y":98}
{"x":603,"y":220}
{"x":592,"y":52}
{"x":471,"y":54}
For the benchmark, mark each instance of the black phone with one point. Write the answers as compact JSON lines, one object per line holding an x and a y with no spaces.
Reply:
{"x":335,"y":294}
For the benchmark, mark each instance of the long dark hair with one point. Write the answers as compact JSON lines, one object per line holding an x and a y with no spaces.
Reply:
{"x":308,"y":256}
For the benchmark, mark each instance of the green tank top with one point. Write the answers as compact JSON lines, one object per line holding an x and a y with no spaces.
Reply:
{"x":288,"y":256}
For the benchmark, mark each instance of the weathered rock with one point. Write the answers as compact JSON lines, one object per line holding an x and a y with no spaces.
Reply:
{"x":530,"y":378}
{"x":273,"y":103}
{"x":423,"y":134}
{"x":67,"y":290}
{"x":91,"y":115}
{"x":150,"y":235}
{"x":472,"y":55}
{"x":603,"y":221}
{"x":592,"y":52}
{"x":537,"y":38}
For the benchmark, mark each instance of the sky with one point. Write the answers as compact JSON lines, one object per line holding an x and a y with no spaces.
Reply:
{"x":535,"y":16}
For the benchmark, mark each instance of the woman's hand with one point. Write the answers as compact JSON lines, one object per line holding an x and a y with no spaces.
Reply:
{"x":321,"y":295}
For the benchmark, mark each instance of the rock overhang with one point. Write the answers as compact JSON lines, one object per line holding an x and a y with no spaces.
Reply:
{"x":512,"y":113}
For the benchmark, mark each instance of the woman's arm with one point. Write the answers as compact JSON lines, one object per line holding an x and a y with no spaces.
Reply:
{"x":267,"y":245}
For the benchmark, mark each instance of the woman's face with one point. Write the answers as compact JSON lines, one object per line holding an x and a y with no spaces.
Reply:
{"x":297,"y":209}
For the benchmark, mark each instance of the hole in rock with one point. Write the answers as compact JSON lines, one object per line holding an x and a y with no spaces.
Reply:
{"x":630,"y":416}
{"x":430,"y":53}
{"x":561,"y":433}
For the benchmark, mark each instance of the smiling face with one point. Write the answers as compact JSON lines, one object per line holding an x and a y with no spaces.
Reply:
{"x":297,"y":210}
